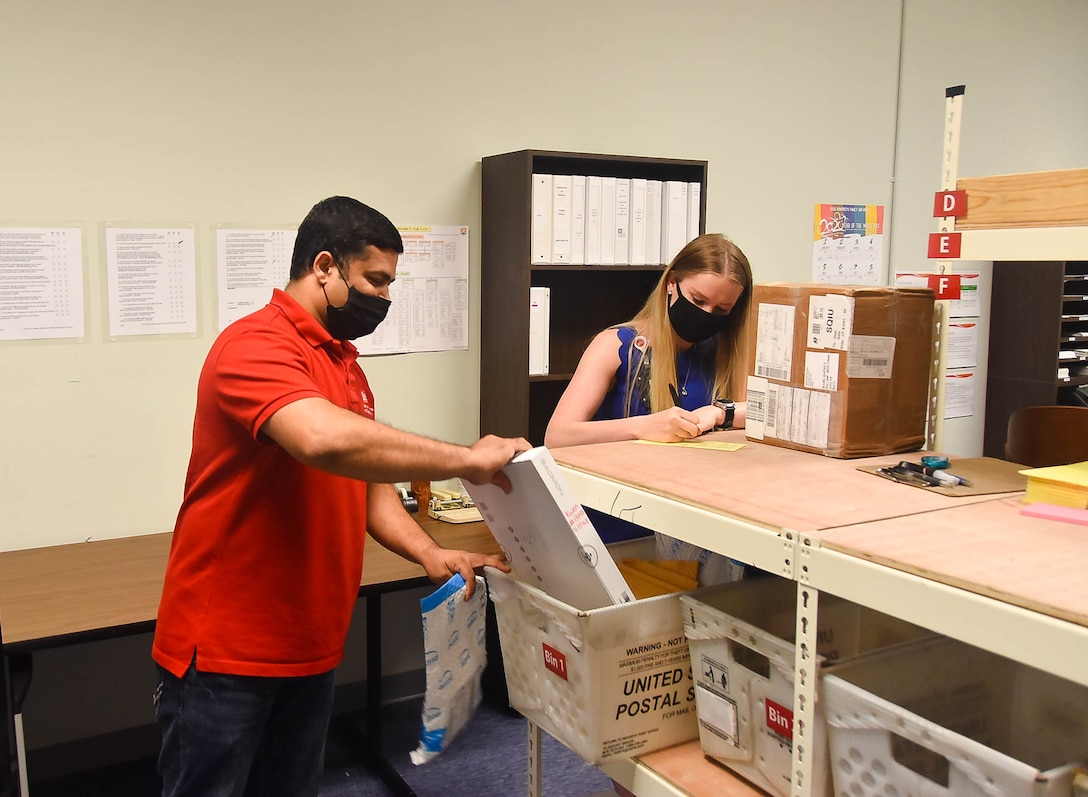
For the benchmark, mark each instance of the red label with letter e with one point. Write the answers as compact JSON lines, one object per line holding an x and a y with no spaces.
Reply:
{"x":946,"y":286}
{"x":779,"y":720}
{"x":555,"y":661}
{"x":944,"y":245}
{"x":950,"y":203}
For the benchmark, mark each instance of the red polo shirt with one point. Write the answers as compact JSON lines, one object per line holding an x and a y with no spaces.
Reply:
{"x":267,"y":553}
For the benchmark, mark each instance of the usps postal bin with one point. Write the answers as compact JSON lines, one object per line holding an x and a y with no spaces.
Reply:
{"x":940,"y":717}
{"x":741,"y":637}
{"x":608,"y":683}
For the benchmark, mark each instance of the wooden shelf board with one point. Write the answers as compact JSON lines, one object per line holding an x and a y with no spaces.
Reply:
{"x":1025,"y":243}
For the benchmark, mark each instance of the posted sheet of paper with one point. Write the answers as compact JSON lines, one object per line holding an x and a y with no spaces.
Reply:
{"x":430,"y":294}
{"x":250,"y":263}
{"x":41,"y":270}
{"x":151,"y":279}
{"x":967,"y":306}
{"x":959,"y":395}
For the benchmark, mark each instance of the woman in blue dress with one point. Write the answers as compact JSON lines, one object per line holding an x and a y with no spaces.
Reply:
{"x":669,"y":374}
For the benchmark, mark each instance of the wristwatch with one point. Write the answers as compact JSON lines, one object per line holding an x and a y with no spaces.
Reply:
{"x":729,"y":407}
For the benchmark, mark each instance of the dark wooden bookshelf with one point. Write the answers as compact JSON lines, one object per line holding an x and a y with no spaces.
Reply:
{"x":584,"y":299}
{"x":1035,"y":312}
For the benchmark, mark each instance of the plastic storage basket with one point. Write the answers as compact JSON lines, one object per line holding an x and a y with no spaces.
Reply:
{"x":943,"y":718}
{"x":742,"y":657}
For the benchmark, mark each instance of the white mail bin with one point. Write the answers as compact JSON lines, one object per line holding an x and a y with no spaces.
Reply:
{"x":741,"y":637}
{"x":608,"y":683}
{"x":940,"y":717}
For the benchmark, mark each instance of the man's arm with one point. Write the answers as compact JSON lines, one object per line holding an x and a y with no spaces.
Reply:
{"x":390,"y":524}
{"x":320,"y":434}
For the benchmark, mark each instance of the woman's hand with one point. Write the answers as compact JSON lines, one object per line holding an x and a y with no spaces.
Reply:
{"x":709,"y":417}
{"x":669,"y":426}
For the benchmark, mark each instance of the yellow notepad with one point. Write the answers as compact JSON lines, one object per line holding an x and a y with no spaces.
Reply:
{"x":1065,"y":485}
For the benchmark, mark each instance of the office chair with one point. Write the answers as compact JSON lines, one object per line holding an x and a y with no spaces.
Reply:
{"x":1042,"y":436}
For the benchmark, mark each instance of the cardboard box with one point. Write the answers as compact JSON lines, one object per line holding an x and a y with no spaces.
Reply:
{"x":546,"y":535}
{"x":741,"y":637}
{"x":608,"y":683}
{"x":940,"y":717}
{"x":840,"y":370}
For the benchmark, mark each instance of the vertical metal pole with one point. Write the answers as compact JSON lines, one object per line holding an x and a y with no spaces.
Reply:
{"x":20,"y":744}
{"x":804,"y":679}
{"x":953,"y":116}
{"x":533,"y":738}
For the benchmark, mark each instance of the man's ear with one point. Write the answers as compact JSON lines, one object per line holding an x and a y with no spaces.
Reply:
{"x":323,"y":265}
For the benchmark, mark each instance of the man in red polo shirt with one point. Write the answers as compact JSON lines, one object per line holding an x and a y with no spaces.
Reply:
{"x":289,"y":471}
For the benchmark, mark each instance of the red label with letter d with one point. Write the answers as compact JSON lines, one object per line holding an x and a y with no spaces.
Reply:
{"x":950,"y":203}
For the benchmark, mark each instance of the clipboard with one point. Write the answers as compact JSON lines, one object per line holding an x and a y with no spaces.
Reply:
{"x":988,"y":475}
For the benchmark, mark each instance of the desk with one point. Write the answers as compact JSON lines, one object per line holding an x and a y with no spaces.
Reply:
{"x":971,"y":567}
{"x":65,"y":594}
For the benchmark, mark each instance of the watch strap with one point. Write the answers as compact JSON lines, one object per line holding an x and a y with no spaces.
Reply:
{"x":729,"y":407}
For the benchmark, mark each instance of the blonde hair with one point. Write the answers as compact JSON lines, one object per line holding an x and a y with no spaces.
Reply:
{"x":711,"y":253}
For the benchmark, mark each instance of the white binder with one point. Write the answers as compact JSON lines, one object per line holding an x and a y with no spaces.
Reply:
{"x":636,"y":239}
{"x":540,"y":244}
{"x":539,"y":326}
{"x":674,"y":228}
{"x":561,"y":221}
{"x":578,"y":220}
{"x":593,"y":220}
{"x":608,"y":222}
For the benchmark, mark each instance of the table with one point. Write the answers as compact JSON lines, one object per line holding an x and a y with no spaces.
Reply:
{"x":969,"y":567}
{"x":66,"y":594}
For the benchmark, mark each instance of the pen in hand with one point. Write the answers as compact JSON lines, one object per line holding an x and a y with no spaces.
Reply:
{"x":674,"y":394}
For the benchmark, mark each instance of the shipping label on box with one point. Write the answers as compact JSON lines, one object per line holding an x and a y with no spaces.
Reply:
{"x":840,"y":370}
{"x":650,"y":683}
{"x":774,"y":347}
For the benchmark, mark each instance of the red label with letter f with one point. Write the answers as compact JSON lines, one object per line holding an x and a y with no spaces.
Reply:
{"x":946,"y":286}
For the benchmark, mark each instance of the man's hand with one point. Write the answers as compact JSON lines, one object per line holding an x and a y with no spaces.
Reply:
{"x":442,"y":563}
{"x":487,"y":457}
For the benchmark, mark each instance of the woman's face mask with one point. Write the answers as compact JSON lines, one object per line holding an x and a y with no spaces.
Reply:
{"x":692,"y":323}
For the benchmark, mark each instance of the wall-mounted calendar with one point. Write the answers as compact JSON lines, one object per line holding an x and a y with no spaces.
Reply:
{"x":848,"y":245}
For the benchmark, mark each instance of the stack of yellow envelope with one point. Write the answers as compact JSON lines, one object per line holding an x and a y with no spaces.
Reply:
{"x":647,"y":579}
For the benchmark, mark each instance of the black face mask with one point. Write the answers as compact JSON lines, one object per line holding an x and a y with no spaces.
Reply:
{"x":692,"y":323}
{"x":358,"y":317}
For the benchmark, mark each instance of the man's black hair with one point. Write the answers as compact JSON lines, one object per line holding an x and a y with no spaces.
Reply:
{"x":344,"y":227}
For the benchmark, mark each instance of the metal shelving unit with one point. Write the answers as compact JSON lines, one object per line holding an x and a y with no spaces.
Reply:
{"x":1030,"y":637}
{"x":1039,"y":640}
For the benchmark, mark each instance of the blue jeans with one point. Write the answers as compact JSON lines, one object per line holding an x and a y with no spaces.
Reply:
{"x":242,"y":736}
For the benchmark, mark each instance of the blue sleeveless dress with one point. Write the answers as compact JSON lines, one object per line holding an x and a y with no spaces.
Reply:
{"x":630,"y":397}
